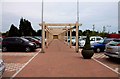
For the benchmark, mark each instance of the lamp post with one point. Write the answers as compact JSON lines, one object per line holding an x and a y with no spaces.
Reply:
{"x":108,"y":28}
{"x":43,"y":39}
{"x":93,"y":29}
{"x":77,"y":28}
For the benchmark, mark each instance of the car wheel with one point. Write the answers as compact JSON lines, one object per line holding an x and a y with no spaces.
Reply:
{"x":4,"y":49}
{"x":27,"y":49}
{"x":98,"y":50}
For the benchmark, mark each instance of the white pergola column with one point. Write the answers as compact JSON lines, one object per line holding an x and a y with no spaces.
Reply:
{"x":43,"y":38}
{"x":47,"y":38}
{"x":70,"y":36}
{"x":77,"y":47}
{"x":67,"y":36}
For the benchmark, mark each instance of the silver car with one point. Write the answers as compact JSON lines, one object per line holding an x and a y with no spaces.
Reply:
{"x":2,"y":68}
{"x":113,"y":49}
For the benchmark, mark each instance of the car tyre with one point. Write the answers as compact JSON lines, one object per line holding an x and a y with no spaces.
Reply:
{"x":4,"y":49}
{"x":27,"y":49}
{"x":98,"y":50}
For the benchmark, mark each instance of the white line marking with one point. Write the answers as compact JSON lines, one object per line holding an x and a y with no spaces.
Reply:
{"x":24,"y":65}
{"x":106,"y":66}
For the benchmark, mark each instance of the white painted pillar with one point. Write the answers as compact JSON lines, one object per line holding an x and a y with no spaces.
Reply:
{"x":77,"y":47}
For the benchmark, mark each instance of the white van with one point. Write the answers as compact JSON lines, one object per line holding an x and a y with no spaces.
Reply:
{"x":93,"y":39}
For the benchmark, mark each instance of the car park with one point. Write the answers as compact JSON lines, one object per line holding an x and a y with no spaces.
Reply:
{"x":37,"y":42}
{"x":100,"y":46}
{"x":93,"y":39}
{"x":2,"y":68}
{"x":113,"y":49}
{"x":17,"y":43}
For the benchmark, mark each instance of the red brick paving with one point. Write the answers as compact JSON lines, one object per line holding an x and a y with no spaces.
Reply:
{"x":62,"y":61}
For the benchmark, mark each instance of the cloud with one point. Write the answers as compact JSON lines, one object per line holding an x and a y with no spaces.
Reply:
{"x":98,"y":13}
{"x":60,"y":0}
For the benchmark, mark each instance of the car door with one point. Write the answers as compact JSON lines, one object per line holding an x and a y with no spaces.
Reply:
{"x":19,"y":44}
{"x":12,"y":44}
{"x":92,"y":40}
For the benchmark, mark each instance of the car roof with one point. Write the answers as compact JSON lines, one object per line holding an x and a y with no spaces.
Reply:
{"x":116,"y":39}
{"x":95,"y":36}
{"x":11,"y":37}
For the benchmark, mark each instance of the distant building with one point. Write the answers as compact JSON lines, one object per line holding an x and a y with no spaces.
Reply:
{"x":113,"y":35}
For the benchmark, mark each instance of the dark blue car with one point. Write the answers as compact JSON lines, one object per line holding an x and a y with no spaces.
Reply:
{"x":100,"y":46}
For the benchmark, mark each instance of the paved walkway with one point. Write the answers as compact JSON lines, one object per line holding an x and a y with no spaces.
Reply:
{"x":62,"y":61}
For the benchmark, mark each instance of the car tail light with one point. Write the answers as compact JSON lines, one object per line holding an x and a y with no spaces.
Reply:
{"x":118,"y":45}
{"x":37,"y":41}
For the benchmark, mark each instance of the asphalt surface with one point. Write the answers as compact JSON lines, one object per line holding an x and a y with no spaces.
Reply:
{"x":62,"y":61}
{"x":59,"y":60}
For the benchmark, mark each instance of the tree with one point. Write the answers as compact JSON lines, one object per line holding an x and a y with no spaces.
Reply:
{"x":39,"y":33}
{"x":21,"y":27}
{"x":25,"y":28}
{"x":80,"y":32}
{"x":74,"y":33}
{"x":13,"y":31}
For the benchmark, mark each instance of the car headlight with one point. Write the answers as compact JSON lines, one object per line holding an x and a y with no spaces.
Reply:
{"x":116,"y":52}
{"x":31,"y":43}
{"x":92,"y":46}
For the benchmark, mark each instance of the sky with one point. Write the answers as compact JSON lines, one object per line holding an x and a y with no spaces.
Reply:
{"x":100,"y":13}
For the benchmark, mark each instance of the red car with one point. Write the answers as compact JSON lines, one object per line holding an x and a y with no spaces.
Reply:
{"x":37,"y":42}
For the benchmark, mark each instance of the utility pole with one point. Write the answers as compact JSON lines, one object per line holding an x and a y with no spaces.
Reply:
{"x":104,"y":29}
{"x":93,"y":29}
{"x":108,"y":28}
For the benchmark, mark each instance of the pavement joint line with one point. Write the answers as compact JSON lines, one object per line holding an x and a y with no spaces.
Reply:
{"x":24,"y":66}
{"x":106,"y":66}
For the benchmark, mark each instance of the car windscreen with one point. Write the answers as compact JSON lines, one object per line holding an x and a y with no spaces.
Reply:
{"x":101,"y":41}
{"x":114,"y":43}
{"x":24,"y":39}
{"x":107,"y":41}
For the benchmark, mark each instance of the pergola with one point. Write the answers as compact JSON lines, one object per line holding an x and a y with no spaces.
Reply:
{"x":58,"y":33}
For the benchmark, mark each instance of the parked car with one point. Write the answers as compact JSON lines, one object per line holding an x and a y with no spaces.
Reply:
{"x":17,"y":43}
{"x":0,"y":43}
{"x":100,"y":46}
{"x":2,"y":68}
{"x":93,"y":39}
{"x":113,"y":49}
{"x":37,"y":42}
{"x":73,"y":40}
{"x":37,"y":37}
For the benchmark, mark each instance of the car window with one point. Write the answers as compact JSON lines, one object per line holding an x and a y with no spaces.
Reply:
{"x":92,"y":39}
{"x":101,"y":41}
{"x":18,"y":40}
{"x":98,"y":39}
{"x":10,"y":39}
{"x":107,"y":41}
{"x":114,"y":43}
{"x":24,"y":39}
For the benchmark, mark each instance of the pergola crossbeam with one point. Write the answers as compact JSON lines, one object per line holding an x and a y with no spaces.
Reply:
{"x":60,"y":24}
